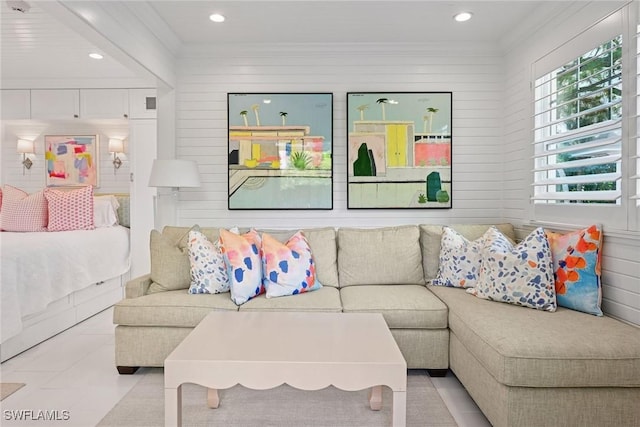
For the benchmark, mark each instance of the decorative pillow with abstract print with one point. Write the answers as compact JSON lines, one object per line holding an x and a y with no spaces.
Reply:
{"x":209,"y":273}
{"x":244,"y":264}
{"x":521,"y":275}
{"x":576,"y":265}
{"x":460,"y":260}
{"x":288,"y":268}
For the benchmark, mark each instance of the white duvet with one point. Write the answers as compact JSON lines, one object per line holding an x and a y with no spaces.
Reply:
{"x":39,"y":268}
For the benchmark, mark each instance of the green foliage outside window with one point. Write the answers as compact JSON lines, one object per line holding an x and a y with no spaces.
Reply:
{"x":586,"y":88}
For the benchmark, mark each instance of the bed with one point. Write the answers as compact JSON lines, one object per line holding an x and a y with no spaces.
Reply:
{"x":51,"y":281}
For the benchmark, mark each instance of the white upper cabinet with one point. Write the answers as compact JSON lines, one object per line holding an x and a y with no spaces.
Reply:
{"x":55,"y":103}
{"x":142,"y":103}
{"x":104,"y":103}
{"x":16,"y":104}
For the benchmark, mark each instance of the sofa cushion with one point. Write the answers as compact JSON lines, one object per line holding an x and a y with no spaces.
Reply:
{"x":323,"y":249}
{"x":288,"y":268}
{"x":325,"y":299}
{"x":577,"y":258}
{"x":430,"y":236}
{"x":520,"y":275}
{"x":322,"y":242}
{"x":534,"y":348}
{"x":171,"y":308}
{"x":380,"y":256}
{"x":403,"y":306}
{"x":242,"y":255}
{"x":460,"y":260}
{"x":170,"y":269}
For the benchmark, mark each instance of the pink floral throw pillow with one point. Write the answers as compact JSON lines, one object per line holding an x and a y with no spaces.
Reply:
{"x":244,"y":264}
{"x":22,"y":211}
{"x":70,"y":210}
{"x":288,"y":268}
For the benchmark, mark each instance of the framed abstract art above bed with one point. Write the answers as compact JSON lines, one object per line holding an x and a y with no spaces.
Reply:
{"x":71,"y":160}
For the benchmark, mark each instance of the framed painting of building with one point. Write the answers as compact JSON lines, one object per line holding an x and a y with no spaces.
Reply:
{"x":71,"y":160}
{"x":399,"y":150}
{"x":280,"y":150}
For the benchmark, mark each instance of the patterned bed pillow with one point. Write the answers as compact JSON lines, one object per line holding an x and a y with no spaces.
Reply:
{"x":209,"y":273}
{"x":521,"y":275}
{"x":70,"y":210}
{"x":460,"y":260}
{"x":22,"y":211}
{"x":244,"y":264}
{"x":576,"y":266}
{"x":288,"y":269}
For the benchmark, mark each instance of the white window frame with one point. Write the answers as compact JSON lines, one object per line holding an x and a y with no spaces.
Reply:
{"x":621,"y":217}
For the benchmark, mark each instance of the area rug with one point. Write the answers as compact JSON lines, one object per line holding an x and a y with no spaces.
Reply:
{"x":283,"y":406}
{"x":7,"y":389}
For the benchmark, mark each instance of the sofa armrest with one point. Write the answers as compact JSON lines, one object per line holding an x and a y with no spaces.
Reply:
{"x":137,"y":287}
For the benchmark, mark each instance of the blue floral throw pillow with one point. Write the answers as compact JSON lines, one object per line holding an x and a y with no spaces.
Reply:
{"x":460,"y":260}
{"x":521,"y":275}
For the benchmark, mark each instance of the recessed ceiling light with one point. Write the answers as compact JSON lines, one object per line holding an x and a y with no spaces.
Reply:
{"x":266,"y":101}
{"x":95,"y":56}
{"x":216,"y":17}
{"x":463,"y":16}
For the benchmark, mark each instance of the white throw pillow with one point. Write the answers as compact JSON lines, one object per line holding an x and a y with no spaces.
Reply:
{"x":105,"y":211}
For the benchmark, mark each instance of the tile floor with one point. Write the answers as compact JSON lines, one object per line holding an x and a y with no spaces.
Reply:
{"x":74,"y":372}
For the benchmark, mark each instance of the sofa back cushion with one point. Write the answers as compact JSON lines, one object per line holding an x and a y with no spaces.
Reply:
{"x":380,"y":256}
{"x":431,"y":234}
{"x":321,"y":240}
{"x":170,"y":268}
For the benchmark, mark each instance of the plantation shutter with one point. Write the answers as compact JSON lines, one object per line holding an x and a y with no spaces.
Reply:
{"x":578,"y":129}
{"x":635,"y":160}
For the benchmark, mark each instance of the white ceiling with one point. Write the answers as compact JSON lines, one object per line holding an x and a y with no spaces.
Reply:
{"x":344,"y":21}
{"x":34,"y":45}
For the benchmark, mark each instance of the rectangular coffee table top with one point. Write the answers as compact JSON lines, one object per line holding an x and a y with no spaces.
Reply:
{"x":306,"y":350}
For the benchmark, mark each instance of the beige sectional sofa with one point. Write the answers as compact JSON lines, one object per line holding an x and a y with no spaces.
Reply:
{"x":523,"y":367}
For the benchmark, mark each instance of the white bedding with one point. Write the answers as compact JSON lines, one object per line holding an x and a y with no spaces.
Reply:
{"x":39,"y":268}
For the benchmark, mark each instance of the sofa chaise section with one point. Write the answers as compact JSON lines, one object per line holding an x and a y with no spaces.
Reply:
{"x":527,"y":367}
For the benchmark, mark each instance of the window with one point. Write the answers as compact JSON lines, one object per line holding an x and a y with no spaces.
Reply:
{"x":584,"y":127}
{"x":578,"y":129}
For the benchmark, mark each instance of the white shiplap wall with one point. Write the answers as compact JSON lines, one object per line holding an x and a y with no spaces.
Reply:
{"x":474,"y":73}
{"x":34,"y":178}
{"x":621,"y":251}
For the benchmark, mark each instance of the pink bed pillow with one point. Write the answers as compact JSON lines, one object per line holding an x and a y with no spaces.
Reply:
{"x":22,"y":211}
{"x":70,"y":210}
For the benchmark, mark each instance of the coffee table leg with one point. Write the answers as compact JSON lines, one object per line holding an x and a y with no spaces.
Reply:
{"x":375,"y":398}
{"x":399,"y":409}
{"x":213,"y":400}
{"x":173,"y":406}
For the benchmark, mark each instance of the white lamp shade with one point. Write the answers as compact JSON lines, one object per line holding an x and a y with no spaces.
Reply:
{"x":25,"y":146}
{"x":116,"y":145}
{"x":174,"y":173}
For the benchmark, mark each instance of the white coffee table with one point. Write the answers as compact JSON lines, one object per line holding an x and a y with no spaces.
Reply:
{"x":309,"y":351}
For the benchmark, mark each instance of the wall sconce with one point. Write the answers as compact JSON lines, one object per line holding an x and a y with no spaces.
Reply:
{"x":116,"y":146}
{"x":26,"y":147}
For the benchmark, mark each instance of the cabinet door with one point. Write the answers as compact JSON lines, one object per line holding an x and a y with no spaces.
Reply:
{"x":142,"y":103}
{"x":104,"y":103}
{"x":55,"y":104}
{"x":16,"y":104}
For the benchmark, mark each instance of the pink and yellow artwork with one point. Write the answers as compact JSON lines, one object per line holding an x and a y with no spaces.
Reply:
{"x":71,"y":160}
